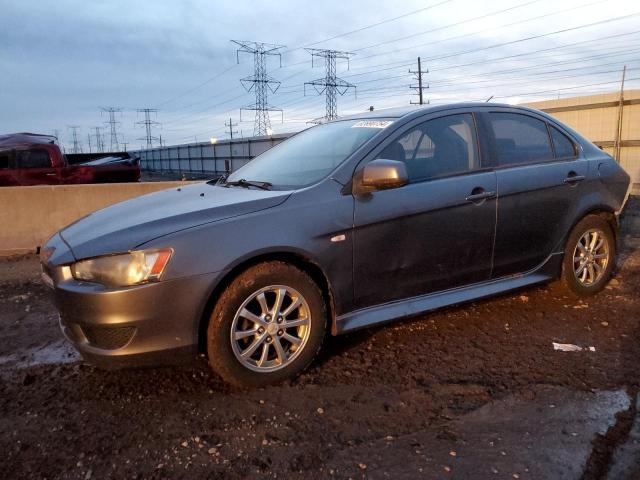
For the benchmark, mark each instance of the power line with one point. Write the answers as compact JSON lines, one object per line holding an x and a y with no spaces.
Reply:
{"x":209,"y":80}
{"x":260,"y":82}
{"x":330,"y":85}
{"x":444,"y":27}
{"x":148,"y":124}
{"x":366,"y":27}
{"x":511,"y":42}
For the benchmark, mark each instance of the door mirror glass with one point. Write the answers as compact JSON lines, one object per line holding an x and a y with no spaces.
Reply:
{"x":382,"y":174}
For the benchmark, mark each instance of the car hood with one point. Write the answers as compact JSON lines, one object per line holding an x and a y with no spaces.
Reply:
{"x":126,"y":225}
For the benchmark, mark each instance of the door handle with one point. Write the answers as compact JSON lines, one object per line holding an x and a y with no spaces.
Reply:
{"x":478,"y":197}
{"x":572,"y":179}
{"x":51,"y":174}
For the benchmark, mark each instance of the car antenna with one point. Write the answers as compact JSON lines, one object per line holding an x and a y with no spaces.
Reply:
{"x":487,"y":100}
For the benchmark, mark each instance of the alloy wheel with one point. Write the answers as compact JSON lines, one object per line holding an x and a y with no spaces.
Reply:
{"x":270,"y":328}
{"x":591,"y":257}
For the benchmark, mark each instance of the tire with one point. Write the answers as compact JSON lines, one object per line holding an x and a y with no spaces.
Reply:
{"x":578,"y":276}
{"x":243,"y":319}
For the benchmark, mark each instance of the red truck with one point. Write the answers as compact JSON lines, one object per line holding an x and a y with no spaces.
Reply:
{"x":32,"y":159}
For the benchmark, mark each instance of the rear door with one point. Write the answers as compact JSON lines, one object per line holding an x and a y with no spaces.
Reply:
{"x":35,"y":167}
{"x":436,"y":232}
{"x":540,"y":179}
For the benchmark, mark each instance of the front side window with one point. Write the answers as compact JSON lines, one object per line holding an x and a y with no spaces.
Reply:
{"x":309,"y":156}
{"x":37,"y":158}
{"x":520,"y":139}
{"x":564,"y":147}
{"x":436,"y":148}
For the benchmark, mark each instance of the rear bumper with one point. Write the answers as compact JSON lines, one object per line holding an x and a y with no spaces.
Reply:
{"x":152,"y":324}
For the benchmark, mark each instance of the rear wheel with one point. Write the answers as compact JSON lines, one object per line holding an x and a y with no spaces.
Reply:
{"x":267,"y":326}
{"x":589,"y":256}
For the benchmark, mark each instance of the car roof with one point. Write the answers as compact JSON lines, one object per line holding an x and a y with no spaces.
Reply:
{"x":416,"y":110}
{"x":25,"y":139}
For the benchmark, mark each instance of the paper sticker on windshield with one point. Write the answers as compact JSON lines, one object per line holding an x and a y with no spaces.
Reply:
{"x":372,"y":124}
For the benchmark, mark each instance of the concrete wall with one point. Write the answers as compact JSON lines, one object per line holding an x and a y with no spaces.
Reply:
{"x":30,"y":215}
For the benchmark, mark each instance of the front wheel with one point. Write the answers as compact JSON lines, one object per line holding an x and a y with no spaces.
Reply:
{"x":589,"y":256}
{"x":267,"y":326}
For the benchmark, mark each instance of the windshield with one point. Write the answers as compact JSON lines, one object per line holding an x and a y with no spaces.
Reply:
{"x":309,"y":156}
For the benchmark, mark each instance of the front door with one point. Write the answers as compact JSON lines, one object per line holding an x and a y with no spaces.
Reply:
{"x":436,"y":232}
{"x":35,"y":167}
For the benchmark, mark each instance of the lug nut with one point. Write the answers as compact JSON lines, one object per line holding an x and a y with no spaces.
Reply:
{"x":280,"y":319}
{"x":267,"y":318}
{"x":280,"y":332}
{"x":269,"y":339}
{"x":261,"y":330}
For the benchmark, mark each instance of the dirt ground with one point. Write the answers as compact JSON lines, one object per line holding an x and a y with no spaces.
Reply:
{"x":475,"y":391}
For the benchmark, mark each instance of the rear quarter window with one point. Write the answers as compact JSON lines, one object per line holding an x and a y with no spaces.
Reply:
{"x":520,"y":139}
{"x":562,"y":144}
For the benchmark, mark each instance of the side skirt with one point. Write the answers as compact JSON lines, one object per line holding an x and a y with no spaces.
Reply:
{"x":399,"y":309}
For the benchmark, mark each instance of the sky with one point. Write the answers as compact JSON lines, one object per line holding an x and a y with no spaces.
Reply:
{"x":62,"y":62}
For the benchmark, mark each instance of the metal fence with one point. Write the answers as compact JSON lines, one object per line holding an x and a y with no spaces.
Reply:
{"x":206,"y":158}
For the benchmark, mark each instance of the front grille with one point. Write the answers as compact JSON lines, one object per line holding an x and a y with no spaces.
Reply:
{"x":108,"y":338}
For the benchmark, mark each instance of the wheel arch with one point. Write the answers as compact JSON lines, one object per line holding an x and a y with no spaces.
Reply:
{"x":298,"y":259}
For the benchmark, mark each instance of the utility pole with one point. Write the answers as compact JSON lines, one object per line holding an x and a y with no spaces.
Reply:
{"x":124,"y":146}
{"x":148,"y":124}
{"x":56,"y":133}
{"x":330,"y":85}
{"x":420,"y":88}
{"x":260,"y":82}
{"x":620,"y":112}
{"x":113,"y":145}
{"x":99,"y":139}
{"x":231,"y":131}
{"x":89,"y":141}
{"x":77,"y":147}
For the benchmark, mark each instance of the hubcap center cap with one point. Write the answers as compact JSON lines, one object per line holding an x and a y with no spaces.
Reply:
{"x":272,"y":328}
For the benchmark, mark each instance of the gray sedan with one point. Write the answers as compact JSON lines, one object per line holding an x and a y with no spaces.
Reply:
{"x":349,"y":224}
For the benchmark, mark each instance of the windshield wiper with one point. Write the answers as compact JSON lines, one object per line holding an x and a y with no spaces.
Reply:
{"x":249,"y":183}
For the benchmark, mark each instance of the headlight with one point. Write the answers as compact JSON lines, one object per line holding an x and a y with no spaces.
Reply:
{"x":131,"y":268}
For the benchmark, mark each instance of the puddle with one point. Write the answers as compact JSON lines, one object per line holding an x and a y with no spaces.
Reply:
{"x":54,"y":353}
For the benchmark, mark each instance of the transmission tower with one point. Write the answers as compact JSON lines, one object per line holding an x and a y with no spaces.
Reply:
{"x":99,"y":139}
{"x":113,"y":145}
{"x":148,"y":124}
{"x":420,"y":87}
{"x":260,"y":82}
{"x":89,"y":142}
{"x":56,"y":133}
{"x":330,"y":85}
{"x":124,"y":145}
{"x":77,"y":146}
{"x":231,"y":131}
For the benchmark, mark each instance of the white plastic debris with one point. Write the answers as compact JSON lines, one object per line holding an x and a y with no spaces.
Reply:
{"x":569,"y":347}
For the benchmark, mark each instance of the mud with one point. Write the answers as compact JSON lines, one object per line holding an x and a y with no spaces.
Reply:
{"x":424,"y":378}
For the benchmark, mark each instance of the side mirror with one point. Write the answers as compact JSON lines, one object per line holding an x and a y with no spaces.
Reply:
{"x":382,"y":174}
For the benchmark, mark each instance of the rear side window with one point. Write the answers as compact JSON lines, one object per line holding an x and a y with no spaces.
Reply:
{"x":436,"y":148}
{"x":36,"y":158}
{"x":564,"y":147}
{"x":520,"y":139}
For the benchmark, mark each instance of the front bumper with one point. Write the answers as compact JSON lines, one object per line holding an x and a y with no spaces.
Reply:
{"x":151,"y":324}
